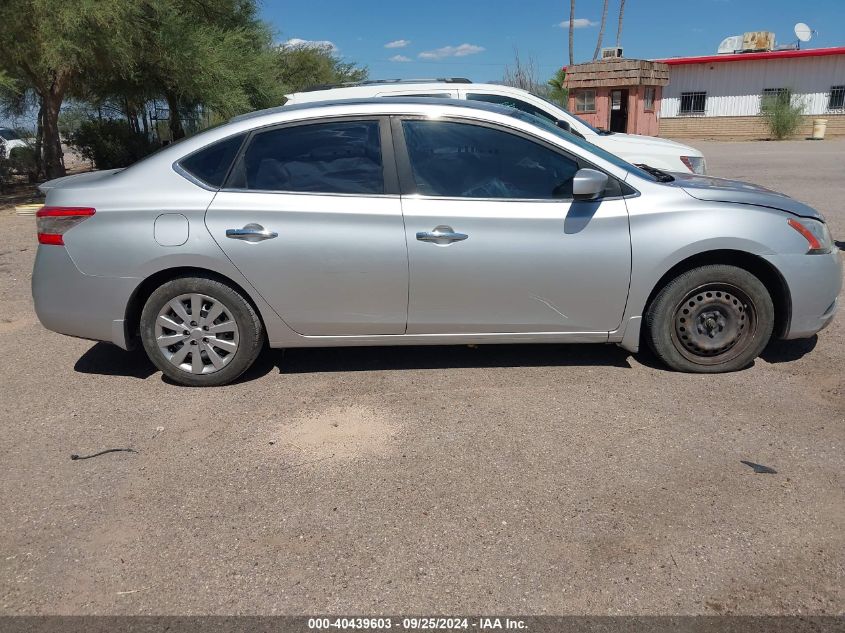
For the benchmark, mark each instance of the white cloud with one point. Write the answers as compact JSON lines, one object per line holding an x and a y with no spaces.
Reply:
{"x":452,"y":51}
{"x":397,"y":44}
{"x":295,"y":42}
{"x":400,"y":58}
{"x":578,"y":23}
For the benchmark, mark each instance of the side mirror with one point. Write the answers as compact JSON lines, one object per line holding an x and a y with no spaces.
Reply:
{"x":588,"y":184}
{"x":564,"y":125}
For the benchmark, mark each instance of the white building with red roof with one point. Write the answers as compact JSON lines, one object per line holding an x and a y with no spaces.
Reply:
{"x":718,"y":96}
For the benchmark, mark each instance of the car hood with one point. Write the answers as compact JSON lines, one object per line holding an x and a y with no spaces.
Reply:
{"x":736,"y":191}
{"x":77,"y":179}
{"x":654,"y":142}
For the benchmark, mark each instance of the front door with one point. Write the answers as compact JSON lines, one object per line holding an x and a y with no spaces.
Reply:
{"x":495,"y":241}
{"x":309,"y":218}
{"x":619,"y":111}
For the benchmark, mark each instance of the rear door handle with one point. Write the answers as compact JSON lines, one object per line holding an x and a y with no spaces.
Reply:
{"x":251,"y":233}
{"x":442,"y":235}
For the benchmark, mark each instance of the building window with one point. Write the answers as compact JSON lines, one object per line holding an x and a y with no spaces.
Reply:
{"x":771,"y":95}
{"x":585,"y":101}
{"x":836,"y":101}
{"x":648,"y":99}
{"x":693,"y":102}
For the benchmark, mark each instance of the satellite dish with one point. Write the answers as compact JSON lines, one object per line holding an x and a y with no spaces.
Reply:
{"x":803,"y":32}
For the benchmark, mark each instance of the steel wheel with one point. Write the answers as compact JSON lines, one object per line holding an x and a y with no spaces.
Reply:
{"x":196,"y":333}
{"x":714,"y":324}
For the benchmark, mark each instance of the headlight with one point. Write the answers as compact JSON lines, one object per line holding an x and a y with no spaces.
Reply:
{"x":819,"y":239}
{"x":695,"y":164}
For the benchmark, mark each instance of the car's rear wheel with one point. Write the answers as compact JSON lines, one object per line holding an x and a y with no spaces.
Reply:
{"x":200,"y":332}
{"x":710,"y":319}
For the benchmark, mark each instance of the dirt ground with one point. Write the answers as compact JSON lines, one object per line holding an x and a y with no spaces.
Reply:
{"x":513,"y":479}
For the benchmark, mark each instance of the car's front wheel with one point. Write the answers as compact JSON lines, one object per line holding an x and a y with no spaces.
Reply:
{"x":710,"y":319}
{"x":200,"y":332}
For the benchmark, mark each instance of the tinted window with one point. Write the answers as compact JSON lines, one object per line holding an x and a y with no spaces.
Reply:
{"x":512,"y":103}
{"x":212,"y":163}
{"x":470,"y":161}
{"x":336,"y":157}
{"x":583,"y":144}
{"x":8,"y":135}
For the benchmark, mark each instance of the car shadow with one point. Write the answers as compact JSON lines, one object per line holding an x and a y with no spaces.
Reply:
{"x":106,"y":359}
{"x":397,"y":358}
{"x":780,"y":351}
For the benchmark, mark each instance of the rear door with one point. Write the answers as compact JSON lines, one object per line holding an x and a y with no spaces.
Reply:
{"x":496,"y":242}
{"x":312,"y":218}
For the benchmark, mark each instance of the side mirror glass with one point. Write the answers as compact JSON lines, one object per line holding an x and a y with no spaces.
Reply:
{"x":588,"y":184}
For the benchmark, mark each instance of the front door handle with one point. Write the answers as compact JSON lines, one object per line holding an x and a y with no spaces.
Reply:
{"x":251,"y":233}
{"x":442,"y":235}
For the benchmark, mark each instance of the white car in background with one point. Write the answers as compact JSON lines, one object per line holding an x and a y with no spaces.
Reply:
{"x":638,"y":149}
{"x":11,"y":139}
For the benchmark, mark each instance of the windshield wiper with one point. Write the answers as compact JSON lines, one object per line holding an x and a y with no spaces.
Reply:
{"x":661,"y":176}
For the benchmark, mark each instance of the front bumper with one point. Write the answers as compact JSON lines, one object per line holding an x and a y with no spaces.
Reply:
{"x":70,"y":302}
{"x":814,"y":283}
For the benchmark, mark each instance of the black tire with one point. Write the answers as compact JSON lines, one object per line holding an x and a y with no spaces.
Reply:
{"x":247,"y":337}
{"x":711,"y":319}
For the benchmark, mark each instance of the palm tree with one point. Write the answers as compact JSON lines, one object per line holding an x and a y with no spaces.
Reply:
{"x":619,"y":28}
{"x":571,"y":32}
{"x":557,"y":91}
{"x":601,"y":30}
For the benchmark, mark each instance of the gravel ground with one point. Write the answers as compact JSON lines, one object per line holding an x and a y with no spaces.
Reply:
{"x":513,"y":479}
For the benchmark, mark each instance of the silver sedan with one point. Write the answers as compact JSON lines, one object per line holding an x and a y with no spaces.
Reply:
{"x":421,"y":222}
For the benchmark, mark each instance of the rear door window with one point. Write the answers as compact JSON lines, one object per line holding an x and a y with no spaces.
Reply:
{"x":331,"y":157}
{"x":210,"y":165}
{"x":461,"y":160}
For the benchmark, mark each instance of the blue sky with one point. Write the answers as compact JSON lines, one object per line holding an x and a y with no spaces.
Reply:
{"x":476,"y":38}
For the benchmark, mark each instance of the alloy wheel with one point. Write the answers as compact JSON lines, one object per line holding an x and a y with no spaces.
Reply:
{"x":196,"y":333}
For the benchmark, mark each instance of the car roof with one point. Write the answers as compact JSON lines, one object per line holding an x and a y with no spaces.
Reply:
{"x":389,"y":105}
{"x":311,"y":94}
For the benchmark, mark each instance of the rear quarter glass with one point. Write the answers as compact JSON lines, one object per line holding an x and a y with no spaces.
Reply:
{"x":211,"y":164}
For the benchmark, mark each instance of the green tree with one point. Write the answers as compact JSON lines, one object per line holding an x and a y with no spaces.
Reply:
{"x":6,"y":82}
{"x":307,"y":65}
{"x":197,"y":55}
{"x":46,"y":46}
{"x":557,"y":90}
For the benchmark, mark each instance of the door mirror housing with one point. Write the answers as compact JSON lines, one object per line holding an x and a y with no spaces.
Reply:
{"x":565,"y":125}
{"x":588,"y":184}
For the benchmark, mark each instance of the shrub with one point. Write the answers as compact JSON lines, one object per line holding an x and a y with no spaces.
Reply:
{"x":22,"y":161}
{"x":782,"y":113}
{"x":110,"y":144}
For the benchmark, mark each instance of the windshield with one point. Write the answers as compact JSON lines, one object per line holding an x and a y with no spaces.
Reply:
{"x":548,"y":126}
{"x":594,"y":129}
{"x":8,"y":135}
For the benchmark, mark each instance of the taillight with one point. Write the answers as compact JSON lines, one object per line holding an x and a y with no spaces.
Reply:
{"x":54,"y":222}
